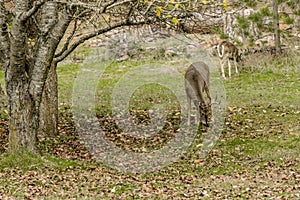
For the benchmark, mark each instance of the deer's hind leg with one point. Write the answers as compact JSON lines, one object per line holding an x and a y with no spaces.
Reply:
{"x":235,"y":65}
{"x":222,"y":61}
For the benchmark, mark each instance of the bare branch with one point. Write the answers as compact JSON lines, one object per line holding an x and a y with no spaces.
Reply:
{"x":119,"y":3}
{"x":179,"y":2}
{"x":68,"y":40}
{"x":100,"y":31}
{"x":33,"y":10}
{"x":107,"y":4}
{"x":149,"y":6}
{"x":45,"y":52}
{"x":98,"y":6}
{"x":58,"y":31}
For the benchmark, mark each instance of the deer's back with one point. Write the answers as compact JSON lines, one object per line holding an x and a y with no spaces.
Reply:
{"x":198,"y":71}
{"x":196,"y":75}
{"x":230,"y":48}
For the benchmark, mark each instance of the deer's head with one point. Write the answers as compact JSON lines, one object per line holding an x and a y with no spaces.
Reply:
{"x":204,"y":112}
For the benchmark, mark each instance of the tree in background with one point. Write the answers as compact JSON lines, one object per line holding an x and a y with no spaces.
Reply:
{"x":35,"y":35}
{"x":277,"y":17}
{"x":276,"y":27}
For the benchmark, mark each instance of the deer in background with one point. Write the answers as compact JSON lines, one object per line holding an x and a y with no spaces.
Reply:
{"x":196,"y":82}
{"x":226,"y":52}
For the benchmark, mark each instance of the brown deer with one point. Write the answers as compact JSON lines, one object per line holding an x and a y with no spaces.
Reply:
{"x":226,"y":52}
{"x":196,"y":82}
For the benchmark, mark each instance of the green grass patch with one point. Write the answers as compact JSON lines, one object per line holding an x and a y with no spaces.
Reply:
{"x":264,"y":89}
{"x":24,"y":161}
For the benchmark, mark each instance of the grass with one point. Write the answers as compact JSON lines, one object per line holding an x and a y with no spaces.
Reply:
{"x":261,"y":88}
{"x":25,"y":161}
{"x":256,"y":157}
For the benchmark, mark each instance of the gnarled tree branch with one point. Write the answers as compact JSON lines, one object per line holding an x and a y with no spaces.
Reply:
{"x":36,"y":5}
{"x":100,"y":31}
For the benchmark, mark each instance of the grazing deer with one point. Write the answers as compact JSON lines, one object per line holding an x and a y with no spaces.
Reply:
{"x":226,"y":51}
{"x":196,"y":82}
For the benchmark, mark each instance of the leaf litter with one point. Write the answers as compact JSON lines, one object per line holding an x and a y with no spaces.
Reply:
{"x":235,"y":168}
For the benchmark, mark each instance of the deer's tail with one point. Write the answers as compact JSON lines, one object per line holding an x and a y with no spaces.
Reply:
{"x":220,"y":51}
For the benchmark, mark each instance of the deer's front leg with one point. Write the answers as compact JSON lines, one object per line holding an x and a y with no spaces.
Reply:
{"x":235,"y":64}
{"x":229,"y":68}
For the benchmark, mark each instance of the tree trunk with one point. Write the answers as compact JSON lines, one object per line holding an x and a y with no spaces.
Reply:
{"x":23,"y":115}
{"x":27,"y":73}
{"x":49,"y":104}
{"x":23,"y":95}
{"x":276,"y":27}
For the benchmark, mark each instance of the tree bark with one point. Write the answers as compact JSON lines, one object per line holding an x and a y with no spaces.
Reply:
{"x":3,"y":100}
{"x":22,"y":105}
{"x":23,"y":117}
{"x":49,"y":104}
